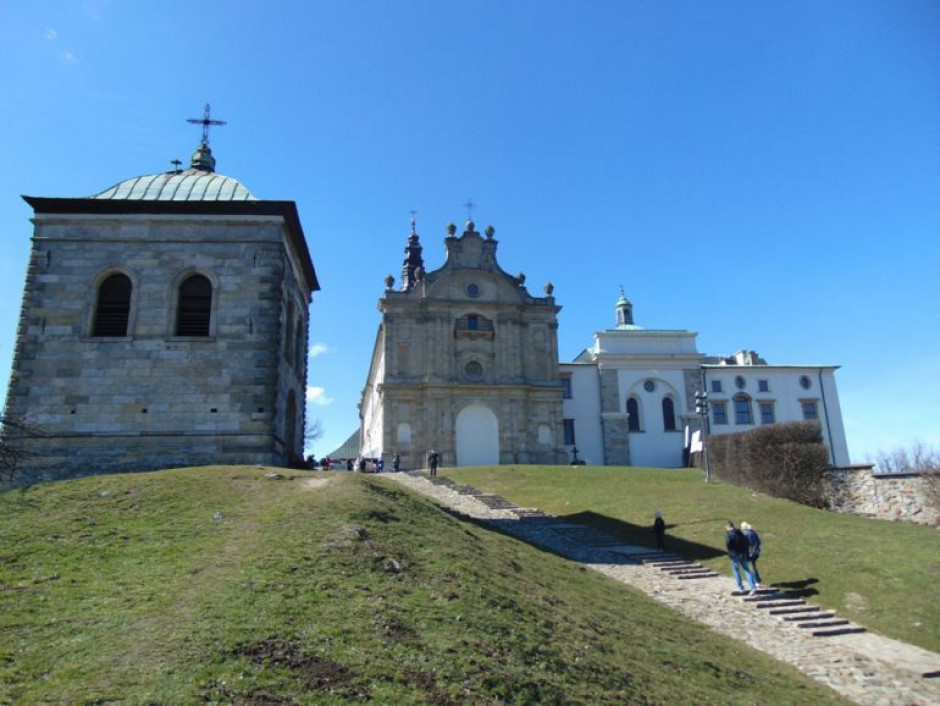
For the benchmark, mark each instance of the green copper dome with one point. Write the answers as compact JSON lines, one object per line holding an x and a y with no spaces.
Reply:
{"x":198,"y":183}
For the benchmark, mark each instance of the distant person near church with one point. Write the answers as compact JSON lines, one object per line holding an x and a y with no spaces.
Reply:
{"x":433,"y":458}
{"x":737,"y":545}
{"x":396,"y":462}
{"x":753,"y":549}
{"x":659,"y":531}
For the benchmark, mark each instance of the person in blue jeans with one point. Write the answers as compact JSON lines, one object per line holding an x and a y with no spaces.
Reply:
{"x":737,"y":545}
{"x":753,"y":549}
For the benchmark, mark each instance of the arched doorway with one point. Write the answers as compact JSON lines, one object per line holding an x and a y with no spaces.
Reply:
{"x":477,"y":436}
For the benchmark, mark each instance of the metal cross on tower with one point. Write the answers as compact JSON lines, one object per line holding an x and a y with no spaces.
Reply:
{"x":470,"y":206}
{"x":205,"y":121}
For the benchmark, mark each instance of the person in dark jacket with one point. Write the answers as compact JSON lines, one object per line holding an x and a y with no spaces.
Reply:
{"x":433,"y":459}
{"x":753,"y":549}
{"x":737,"y":546}
{"x":659,"y":531}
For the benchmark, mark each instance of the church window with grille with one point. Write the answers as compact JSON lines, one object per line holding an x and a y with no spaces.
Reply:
{"x":194,"y":310}
{"x":719,"y":413}
{"x":568,"y":427}
{"x":742,"y":410}
{"x":113,"y":308}
{"x":810,"y":409}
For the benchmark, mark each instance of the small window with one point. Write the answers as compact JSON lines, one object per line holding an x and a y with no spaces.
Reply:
{"x":810,"y":410}
{"x":740,"y":382}
{"x":766,"y":412}
{"x":633,"y":414}
{"x":649,"y":386}
{"x":569,"y":431}
{"x":473,"y":370}
{"x":473,"y":323}
{"x":193,"y":313}
{"x":763,"y":386}
{"x":669,"y":414}
{"x":716,"y":385}
{"x":566,"y":388}
{"x":805,"y":382}
{"x":742,"y":410}
{"x":719,"y":413}
{"x":113,"y":308}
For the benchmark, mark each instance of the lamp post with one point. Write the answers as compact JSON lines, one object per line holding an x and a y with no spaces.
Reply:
{"x":701,"y":408}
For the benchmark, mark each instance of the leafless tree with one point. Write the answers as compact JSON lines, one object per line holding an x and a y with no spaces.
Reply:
{"x":920,"y":459}
{"x":313,"y":432}
{"x":15,"y":430}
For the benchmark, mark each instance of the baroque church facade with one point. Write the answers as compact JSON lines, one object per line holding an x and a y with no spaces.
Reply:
{"x":466,"y":364}
{"x":164,"y":323}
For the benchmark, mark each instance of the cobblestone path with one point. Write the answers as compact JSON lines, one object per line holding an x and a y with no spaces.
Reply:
{"x":868,"y":669}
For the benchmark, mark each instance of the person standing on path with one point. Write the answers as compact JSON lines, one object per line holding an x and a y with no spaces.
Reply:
{"x":736,"y":544}
{"x":396,"y":462}
{"x":753,"y":549}
{"x":659,"y":531}
{"x":432,"y":462}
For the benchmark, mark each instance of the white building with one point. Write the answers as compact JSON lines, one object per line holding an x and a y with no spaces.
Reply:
{"x":630,"y":399}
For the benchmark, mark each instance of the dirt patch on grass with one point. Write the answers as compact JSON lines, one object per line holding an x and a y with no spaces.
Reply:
{"x":320,"y":674}
{"x":312,"y":483}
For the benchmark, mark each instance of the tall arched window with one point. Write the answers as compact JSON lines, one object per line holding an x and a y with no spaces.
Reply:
{"x":633,"y":414}
{"x":113,"y":308}
{"x":742,"y":410}
{"x":194,"y":309}
{"x":669,"y":414}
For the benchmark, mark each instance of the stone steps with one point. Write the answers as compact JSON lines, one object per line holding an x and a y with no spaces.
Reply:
{"x":794,"y":612}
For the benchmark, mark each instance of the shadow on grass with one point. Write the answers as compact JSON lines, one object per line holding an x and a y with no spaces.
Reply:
{"x":642,"y":535}
{"x":797,"y":589}
{"x":593,"y":542}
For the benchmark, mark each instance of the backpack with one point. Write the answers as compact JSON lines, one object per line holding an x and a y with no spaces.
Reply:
{"x":753,"y":544}
{"x":738,"y":543}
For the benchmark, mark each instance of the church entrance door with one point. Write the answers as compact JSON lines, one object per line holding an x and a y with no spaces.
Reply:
{"x":477,"y":436}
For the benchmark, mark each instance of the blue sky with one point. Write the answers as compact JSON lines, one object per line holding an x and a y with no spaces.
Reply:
{"x":766,"y":174}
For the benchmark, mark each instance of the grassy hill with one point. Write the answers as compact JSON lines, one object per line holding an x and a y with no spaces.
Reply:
{"x":884,"y":575}
{"x":217,"y":585}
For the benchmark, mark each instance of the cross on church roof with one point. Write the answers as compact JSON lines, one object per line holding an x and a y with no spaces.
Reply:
{"x":470,"y":206}
{"x":205,"y":121}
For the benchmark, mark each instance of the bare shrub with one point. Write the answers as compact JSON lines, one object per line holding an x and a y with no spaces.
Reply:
{"x":783,"y":460}
{"x":15,"y":430}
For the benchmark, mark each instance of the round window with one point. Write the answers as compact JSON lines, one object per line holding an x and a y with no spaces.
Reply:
{"x":805,"y":382}
{"x":740,"y":382}
{"x":649,"y":385}
{"x":473,"y":370}
{"x":473,"y":290}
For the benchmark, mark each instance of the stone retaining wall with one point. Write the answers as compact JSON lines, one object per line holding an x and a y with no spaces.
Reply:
{"x":905,"y":497}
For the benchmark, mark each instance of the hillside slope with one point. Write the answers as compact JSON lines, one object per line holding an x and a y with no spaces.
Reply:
{"x":219,"y":585}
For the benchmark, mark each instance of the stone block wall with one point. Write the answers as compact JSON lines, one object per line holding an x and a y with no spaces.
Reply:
{"x":905,"y":497}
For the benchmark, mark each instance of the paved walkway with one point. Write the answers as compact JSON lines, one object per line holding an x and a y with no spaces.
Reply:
{"x":868,"y":669}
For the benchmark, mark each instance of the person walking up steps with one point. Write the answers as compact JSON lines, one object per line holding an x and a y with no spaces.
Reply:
{"x":737,"y":545}
{"x":659,"y":531}
{"x":753,"y":549}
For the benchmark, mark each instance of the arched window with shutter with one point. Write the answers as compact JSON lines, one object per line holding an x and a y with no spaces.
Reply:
{"x":194,"y":307}
{"x":113,"y":306}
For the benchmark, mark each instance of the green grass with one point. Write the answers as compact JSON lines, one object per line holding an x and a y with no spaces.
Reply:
{"x":884,"y":575}
{"x":216,"y":585}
